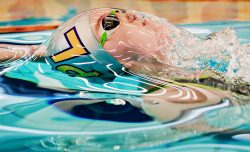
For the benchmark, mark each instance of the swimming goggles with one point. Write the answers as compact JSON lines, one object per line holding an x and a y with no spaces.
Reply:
{"x":109,"y":25}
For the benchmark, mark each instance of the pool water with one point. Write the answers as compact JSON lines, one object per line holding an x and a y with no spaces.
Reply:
{"x":44,"y":110}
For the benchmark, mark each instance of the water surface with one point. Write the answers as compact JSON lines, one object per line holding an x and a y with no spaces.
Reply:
{"x":43,"y":110}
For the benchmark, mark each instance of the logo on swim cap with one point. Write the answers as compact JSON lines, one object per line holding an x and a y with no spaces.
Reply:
{"x":76,"y":52}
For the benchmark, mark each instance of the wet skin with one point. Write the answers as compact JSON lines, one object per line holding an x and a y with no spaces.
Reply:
{"x":134,"y":38}
{"x":123,"y":43}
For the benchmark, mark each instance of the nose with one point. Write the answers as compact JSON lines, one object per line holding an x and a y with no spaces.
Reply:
{"x":131,"y":17}
{"x":134,"y":18}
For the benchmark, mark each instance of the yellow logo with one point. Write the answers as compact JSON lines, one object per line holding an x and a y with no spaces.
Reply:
{"x":76,"y":49}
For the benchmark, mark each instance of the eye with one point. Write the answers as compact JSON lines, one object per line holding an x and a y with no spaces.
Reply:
{"x":109,"y":24}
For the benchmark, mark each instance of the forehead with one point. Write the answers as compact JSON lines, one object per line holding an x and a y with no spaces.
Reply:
{"x":96,"y":15}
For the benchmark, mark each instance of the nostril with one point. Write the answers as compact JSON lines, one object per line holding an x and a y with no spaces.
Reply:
{"x":130,"y":18}
{"x":144,"y":22}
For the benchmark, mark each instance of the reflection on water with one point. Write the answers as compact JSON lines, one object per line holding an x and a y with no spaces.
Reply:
{"x":45,"y":110}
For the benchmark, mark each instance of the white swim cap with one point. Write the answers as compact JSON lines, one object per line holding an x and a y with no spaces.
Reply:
{"x":74,"y":50}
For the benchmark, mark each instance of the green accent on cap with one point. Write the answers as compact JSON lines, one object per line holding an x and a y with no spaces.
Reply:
{"x":103,"y":38}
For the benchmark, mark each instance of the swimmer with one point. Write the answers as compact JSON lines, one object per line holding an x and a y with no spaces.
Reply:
{"x":142,"y":43}
{"x":150,"y":45}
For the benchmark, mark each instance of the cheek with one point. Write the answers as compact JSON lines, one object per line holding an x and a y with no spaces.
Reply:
{"x":144,"y":41}
{"x":133,"y":38}
{"x":115,"y":46}
{"x":119,"y":42}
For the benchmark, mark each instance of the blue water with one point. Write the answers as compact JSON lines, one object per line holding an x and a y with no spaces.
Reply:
{"x":42,"y":110}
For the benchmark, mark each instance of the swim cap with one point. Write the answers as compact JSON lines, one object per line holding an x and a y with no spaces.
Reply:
{"x":74,"y":50}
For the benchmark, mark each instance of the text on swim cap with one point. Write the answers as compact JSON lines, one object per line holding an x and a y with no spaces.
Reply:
{"x":76,"y":49}
{"x":74,"y":71}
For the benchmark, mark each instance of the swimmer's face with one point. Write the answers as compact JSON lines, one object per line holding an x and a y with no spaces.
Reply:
{"x":129,"y":36}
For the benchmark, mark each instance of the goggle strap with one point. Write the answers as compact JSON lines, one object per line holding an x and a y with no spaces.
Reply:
{"x":103,"y":38}
{"x":113,"y":12}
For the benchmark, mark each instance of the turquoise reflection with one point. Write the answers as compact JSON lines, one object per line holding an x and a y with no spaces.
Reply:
{"x":80,"y":113}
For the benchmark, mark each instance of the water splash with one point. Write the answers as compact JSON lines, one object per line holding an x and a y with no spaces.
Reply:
{"x":218,"y":56}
